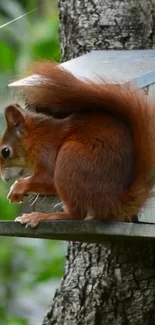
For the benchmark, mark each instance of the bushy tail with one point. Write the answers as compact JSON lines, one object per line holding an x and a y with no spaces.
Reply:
{"x":62,"y":92}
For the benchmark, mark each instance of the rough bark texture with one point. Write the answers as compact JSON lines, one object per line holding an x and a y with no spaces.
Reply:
{"x":106,"y":285}
{"x":105,"y":24}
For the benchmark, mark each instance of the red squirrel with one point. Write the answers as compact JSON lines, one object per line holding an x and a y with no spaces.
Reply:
{"x":99,"y":157}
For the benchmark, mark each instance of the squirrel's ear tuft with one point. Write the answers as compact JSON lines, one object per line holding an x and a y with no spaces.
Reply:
{"x":15,"y":118}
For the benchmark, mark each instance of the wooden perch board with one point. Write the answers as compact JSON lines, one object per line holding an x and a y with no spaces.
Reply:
{"x":84,"y":231}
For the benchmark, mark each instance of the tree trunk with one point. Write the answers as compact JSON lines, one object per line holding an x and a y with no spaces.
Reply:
{"x":106,"y":284}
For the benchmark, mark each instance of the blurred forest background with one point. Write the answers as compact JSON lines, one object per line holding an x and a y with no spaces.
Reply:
{"x":30,"y":270}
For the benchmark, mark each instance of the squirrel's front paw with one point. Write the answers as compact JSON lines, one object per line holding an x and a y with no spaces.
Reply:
{"x":31,"y":219}
{"x":17,"y":192}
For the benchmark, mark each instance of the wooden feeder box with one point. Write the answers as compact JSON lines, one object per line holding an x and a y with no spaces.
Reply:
{"x":137,"y":67}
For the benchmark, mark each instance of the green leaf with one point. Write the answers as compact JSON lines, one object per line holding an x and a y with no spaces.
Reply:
{"x":16,"y":321}
{"x":7,"y":61}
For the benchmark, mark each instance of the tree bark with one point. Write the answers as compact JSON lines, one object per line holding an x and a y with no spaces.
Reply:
{"x":106,"y":284}
{"x":105,"y":24}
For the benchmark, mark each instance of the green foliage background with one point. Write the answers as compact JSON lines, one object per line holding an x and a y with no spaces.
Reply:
{"x":30,"y":270}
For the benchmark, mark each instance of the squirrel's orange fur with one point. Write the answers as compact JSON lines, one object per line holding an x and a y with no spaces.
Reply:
{"x":100,"y":158}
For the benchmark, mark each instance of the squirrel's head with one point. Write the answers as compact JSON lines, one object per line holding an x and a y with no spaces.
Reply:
{"x":12,"y":154}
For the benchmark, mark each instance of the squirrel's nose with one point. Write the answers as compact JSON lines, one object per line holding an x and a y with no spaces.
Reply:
{"x":6,"y":152}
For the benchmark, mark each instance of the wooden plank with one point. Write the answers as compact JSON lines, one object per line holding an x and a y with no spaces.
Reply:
{"x":84,"y":231}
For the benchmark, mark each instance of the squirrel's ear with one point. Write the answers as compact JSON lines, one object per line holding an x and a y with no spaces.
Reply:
{"x":15,"y":118}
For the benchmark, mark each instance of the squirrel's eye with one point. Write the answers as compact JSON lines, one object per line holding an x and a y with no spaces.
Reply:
{"x":5,"y":152}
